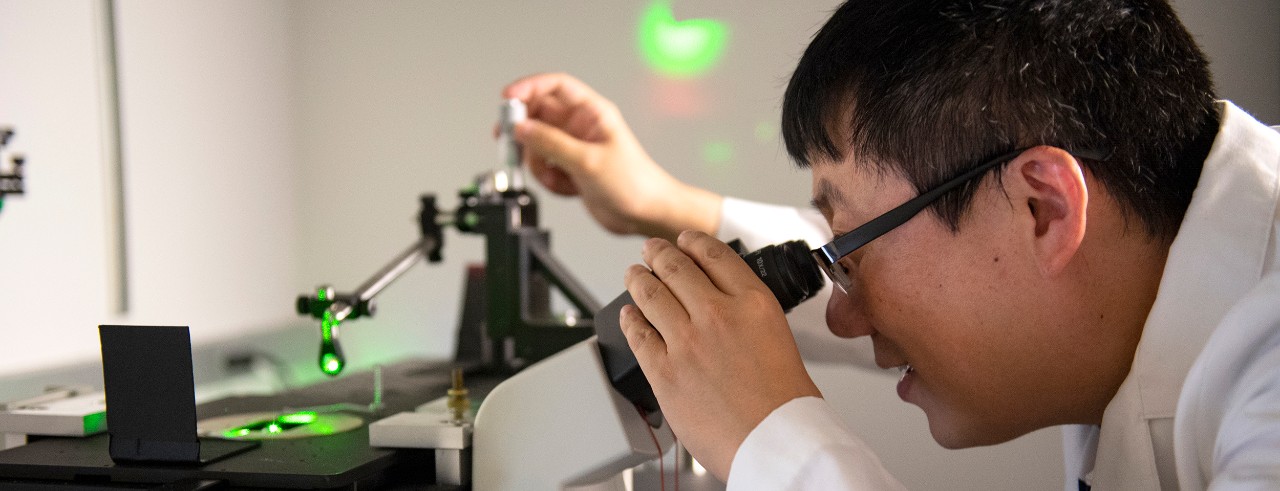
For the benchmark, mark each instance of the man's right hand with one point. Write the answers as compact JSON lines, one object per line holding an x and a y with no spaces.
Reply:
{"x":577,"y":144}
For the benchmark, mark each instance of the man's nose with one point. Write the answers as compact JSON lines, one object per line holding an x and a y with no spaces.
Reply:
{"x":846,"y":317}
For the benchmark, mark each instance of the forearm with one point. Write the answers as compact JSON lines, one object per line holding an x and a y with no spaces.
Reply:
{"x":687,"y":208}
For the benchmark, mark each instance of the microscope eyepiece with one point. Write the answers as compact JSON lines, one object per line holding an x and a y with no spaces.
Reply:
{"x":788,"y":270}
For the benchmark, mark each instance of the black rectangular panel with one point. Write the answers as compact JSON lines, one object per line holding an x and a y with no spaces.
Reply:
{"x":151,"y":407}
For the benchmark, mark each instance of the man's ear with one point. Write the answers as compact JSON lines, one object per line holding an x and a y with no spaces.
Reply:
{"x":1048,"y":189}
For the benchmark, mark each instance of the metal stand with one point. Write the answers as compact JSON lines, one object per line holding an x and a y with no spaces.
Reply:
{"x":11,"y":183}
{"x":519,"y":272}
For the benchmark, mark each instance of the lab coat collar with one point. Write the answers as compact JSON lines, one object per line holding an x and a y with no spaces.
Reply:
{"x":1217,"y":256}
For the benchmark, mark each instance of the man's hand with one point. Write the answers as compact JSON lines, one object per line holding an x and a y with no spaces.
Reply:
{"x":578,"y":145}
{"x":713,"y":342}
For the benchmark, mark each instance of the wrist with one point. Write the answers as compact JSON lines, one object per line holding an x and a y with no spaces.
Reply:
{"x":685,"y":208}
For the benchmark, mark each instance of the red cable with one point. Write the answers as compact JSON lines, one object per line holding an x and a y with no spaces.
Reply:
{"x":662,"y":480}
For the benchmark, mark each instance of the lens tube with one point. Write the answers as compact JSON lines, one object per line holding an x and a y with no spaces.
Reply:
{"x":788,"y":270}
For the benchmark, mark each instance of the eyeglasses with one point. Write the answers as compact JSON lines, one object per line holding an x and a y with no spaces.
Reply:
{"x":829,"y":255}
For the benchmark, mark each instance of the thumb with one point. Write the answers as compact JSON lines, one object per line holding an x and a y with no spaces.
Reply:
{"x":553,"y":144}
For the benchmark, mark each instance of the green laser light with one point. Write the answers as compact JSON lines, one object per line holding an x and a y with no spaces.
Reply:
{"x":331,"y":361}
{"x":235,"y":432}
{"x":680,"y":49}
{"x":298,"y":418}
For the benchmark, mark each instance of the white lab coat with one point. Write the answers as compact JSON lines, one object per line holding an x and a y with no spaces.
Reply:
{"x":1218,"y":307}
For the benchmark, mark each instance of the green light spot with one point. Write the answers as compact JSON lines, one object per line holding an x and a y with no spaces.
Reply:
{"x":320,"y":294}
{"x":718,"y":152}
{"x":298,"y":418}
{"x":471,"y":220}
{"x":331,"y":361}
{"x":327,"y":324}
{"x":235,"y":432}
{"x":330,"y":364}
{"x":273,"y":428}
{"x":681,"y":49}
{"x":766,"y":131}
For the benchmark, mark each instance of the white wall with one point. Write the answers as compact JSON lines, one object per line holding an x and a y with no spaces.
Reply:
{"x":207,"y":140}
{"x":1243,"y":44}
{"x":53,"y":264}
{"x":209,"y":163}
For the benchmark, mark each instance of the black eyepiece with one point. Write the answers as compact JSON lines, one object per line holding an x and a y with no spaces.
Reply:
{"x":788,"y":270}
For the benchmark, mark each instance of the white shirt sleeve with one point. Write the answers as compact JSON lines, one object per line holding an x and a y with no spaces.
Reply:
{"x":804,"y":445}
{"x":1228,"y":421}
{"x":758,"y":225}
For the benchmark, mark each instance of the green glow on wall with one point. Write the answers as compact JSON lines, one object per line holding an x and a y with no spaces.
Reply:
{"x":766,"y":131}
{"x":717,"y":152}
{"x":685,"y":48}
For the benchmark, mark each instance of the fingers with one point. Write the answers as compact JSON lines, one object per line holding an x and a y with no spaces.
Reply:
{"x":559,"y":86}
{"x":565,"y":102}
{"x":645,"y":341}
{"x":681,"y":275}
{"x":554,"y":144}
{"x":552,"y":177}
{"x":722,"y":265}
{"x":655,"y":300}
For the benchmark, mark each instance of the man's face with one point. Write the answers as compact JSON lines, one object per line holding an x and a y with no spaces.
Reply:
{"x":989,"y":355}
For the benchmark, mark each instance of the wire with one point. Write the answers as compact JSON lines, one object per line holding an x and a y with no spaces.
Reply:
{"x":678,"y":450}
{"x":662,"y":472}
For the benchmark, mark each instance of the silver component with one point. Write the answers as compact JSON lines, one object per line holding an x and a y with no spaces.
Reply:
{"x":510,"y":153}
{"x":490,"y":185}
{"x":340,"y":312}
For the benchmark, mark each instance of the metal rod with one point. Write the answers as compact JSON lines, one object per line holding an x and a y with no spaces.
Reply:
{"x":113,"y":154}
{"x":560,"y":277}
{"x":394,"y":269}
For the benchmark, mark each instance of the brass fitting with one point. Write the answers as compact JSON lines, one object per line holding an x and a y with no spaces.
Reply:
{"x":458,"y":401}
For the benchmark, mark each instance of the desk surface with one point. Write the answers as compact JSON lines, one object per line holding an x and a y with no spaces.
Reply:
{"x":338,"y":461}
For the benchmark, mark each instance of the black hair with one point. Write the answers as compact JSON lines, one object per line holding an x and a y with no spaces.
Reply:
{"x":926,"y":88}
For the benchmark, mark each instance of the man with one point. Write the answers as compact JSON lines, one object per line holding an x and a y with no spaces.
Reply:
{"x":1093,"y":224}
